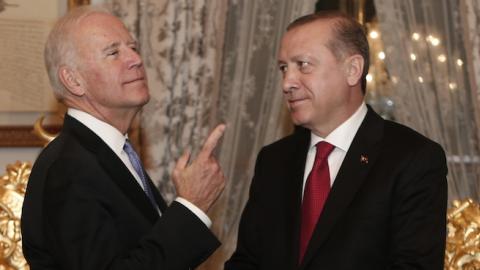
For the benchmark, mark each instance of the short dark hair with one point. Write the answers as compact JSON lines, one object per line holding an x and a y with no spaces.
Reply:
{"x":348,"y":37}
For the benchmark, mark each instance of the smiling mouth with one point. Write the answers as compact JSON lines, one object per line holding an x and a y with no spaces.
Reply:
{"x":135,"y":80}
{"x":294,"y":101}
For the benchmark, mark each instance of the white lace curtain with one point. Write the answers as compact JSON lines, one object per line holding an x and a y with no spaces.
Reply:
{"x":181,"y":43}
{"x":210,"y":62}
{"x":432,"y":49}
{"x":251,"y":100}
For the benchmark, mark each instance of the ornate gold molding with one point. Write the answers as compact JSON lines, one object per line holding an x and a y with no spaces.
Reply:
{"x":23,"y":136}
{"x":74,"y":3}
{"x":12,"y":191}
{"x":43,"y":134}
{"x":463,"y":240}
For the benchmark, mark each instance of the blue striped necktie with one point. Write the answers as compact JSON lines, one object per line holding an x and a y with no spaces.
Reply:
{"x":137,"y":165}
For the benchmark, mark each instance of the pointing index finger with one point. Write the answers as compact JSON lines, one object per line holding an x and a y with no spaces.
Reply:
{"x":211,"y":141}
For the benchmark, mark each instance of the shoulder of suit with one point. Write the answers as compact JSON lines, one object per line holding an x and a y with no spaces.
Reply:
{"x":63,"y":149}
{"x":405,"y":135}
{"x":300,"y":137}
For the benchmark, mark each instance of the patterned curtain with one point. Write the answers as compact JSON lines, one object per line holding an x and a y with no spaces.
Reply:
{"x":470,"y":18}
{"x":210,"y":62}
{"x":181,"y":43}
{"x":250,"y":102}
{"x":434,"y":86}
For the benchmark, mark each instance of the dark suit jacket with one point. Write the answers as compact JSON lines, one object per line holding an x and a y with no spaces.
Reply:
{"x":84,"y":210}
{"x":387,"y":211}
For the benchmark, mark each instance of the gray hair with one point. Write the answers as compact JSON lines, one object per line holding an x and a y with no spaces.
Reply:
{"x":348,"y":37}
{"x":60,"y":49}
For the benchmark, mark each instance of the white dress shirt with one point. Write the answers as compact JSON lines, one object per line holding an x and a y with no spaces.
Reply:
{"x":116,"y":140}
{"x":341,"y":138}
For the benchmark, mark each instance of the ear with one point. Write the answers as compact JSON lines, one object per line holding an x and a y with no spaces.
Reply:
{"x":71,"y":80}
{"x":354,"y":69}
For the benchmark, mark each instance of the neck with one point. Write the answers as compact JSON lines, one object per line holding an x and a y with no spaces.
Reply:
{"x":336,"y":119}
{"x":121,"y":119}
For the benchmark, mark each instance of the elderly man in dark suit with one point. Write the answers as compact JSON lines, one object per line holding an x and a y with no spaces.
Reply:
{"x":348,"y":190}
{"x":89,"y":204}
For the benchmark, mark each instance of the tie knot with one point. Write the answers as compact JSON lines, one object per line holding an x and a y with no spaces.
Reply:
{"x":133,"y":157}
{"x":127,"y":147}
{"x":323,"y":149}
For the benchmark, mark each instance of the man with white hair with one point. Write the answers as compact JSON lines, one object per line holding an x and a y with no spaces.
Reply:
{"x":89,"y":203}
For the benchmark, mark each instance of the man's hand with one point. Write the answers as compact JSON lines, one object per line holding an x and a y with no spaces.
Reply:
{"x":202,"y":181}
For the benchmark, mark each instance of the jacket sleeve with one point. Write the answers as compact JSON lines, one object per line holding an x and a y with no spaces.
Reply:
{"x":83,"y":234}
{"x":247,"y":254}
{"x":418,"y":218}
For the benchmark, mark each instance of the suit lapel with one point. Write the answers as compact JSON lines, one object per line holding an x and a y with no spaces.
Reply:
{"x":114,"y":167}
{"x":294,"y":190}
{"x":360,"y":157}
{"x":156,"y":194}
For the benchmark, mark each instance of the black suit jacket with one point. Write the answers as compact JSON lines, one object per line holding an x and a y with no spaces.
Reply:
{"x":386,"y":208}
{"x":84,"y":210}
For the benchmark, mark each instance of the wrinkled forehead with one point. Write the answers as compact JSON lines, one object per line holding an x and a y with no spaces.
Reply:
{"x":96,"y":32}
{"x":307,"y":36}
{"x":320,"y":29}
{"x":102,"y":26}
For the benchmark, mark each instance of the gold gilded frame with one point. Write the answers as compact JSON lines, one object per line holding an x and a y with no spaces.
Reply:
{"x":23,"y":135}
{"x":74,"y":3}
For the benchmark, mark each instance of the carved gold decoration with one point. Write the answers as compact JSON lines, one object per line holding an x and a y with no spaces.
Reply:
{"x":38,"y":130}
{"x":74,"y":3}
{"x":463,"y":240}
{"x":12,"y":191}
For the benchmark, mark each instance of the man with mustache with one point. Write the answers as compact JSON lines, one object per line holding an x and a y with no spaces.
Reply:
{"x":348,"y":190}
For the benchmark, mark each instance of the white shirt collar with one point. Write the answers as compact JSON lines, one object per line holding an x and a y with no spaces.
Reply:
{"x":109,"y":134}
{"x":342,"y":136}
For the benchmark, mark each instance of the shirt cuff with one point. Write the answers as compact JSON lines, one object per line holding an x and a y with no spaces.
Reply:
{"x":199,"y":213}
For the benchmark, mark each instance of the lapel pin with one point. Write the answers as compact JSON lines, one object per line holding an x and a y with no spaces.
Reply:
{"x":364,"y":159}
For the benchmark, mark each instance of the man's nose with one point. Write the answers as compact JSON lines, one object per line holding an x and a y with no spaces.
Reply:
{"x":134,"y":59}
{"x":290,"y":81}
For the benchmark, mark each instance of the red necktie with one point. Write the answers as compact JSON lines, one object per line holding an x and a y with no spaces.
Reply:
{"x":315,"y":194}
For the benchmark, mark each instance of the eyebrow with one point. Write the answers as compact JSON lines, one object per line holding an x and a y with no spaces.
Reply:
{"x":295,"y":58}
{"x":133,"y":42}
{"x":300,"y":57}
{"x":117,"y":44}
{"x":111,"y":46}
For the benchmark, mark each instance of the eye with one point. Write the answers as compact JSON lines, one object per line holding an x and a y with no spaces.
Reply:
{"x":282,"y":68}
{"x":304,"y":66}
{"x":113,"y":53}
